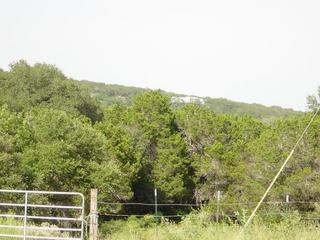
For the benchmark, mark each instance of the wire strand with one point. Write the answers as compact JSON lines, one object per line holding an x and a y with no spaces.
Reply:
{"x":153,"y":204}
{"x":197,"y":205}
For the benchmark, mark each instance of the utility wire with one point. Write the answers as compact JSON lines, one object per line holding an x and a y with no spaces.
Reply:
{"x":278,"y":174}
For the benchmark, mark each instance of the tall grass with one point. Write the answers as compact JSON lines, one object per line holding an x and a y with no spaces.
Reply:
{"x":197,"y":228}
{"x":217,"y":232}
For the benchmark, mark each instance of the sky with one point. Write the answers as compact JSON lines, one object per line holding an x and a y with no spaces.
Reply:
{"x":252,"y":51}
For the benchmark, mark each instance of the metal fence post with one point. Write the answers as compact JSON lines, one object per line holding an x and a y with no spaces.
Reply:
{"x":25,"y":215}
{"x":93,"y":233}
{"x":287,"y":203}
{"x":218,"y":206}
{"x":156,"y":210}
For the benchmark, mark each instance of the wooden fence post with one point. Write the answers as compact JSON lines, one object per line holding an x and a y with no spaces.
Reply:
{"x":93,"y":230}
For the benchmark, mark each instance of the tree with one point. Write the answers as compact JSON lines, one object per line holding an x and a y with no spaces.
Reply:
{"x":313,"y":101}
{"x":68,"y":154}
{"x":172,"y":171}
{"x":166,"y":162}
{"x":12,"y":140}
{"x":120,"y":139}
{"x":43,"y":85}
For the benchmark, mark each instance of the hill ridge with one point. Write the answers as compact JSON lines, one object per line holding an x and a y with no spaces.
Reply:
{"x":109,"y":94}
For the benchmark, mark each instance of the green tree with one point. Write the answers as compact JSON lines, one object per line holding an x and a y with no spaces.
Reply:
{"x":67,"y":154}
{"x":25,"y":87}
{"x":12,"y":141}
{"x":120,"y":139}
{"x":172,"y":171}
{"x":313,"y":101}
{"x":165,"y":163}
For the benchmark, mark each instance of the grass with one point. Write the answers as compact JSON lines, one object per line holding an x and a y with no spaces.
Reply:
{"x":217,"y":232}
{"x":194,"y":227}
{"x":197,"y":228}
{"x":15,"y":231}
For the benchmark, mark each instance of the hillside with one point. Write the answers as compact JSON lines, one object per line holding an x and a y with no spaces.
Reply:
{"x":109,"y":94}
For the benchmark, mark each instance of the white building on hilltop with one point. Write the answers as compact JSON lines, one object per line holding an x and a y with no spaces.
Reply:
{"x":188,"y":99}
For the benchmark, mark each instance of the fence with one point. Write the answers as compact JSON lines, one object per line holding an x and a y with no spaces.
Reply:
{"x":73,"y":227}
{"x":220,"y":209}
{"x":220,"y":212}
{"x":22,"y":211}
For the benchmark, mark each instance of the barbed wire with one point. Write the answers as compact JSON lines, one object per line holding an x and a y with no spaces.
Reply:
{"x":141,"y":215}
{"x":152,"y":204}
{"x":206,"y":204}
{"x":220,"y":204}
{"x":185,"y":215}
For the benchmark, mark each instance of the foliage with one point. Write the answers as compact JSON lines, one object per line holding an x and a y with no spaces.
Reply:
{"x":109,"y":94}
{"x":53,"y":137}
{"x":25,"y":87}
{"x":313,"y":100}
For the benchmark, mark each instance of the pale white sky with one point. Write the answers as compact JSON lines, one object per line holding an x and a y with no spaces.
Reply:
{"x":246,"y":50}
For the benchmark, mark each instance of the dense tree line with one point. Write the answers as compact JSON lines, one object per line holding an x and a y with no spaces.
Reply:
{"x":54,"y":136}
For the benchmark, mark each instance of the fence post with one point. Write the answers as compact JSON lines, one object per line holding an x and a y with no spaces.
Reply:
{"x":218,"y":206}
{"x":25,"y":215}
{"x":156,"y":210}
{"x":93,"y":230}
{"x":287,"y":203}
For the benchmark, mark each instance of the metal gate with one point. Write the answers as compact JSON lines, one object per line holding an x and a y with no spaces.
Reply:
{"x":19,"y":219}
